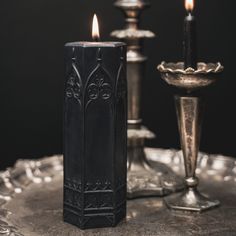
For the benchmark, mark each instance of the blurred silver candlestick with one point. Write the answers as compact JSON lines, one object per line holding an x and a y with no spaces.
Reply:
{"x":144,"y":178}
{"x":189,"y":107}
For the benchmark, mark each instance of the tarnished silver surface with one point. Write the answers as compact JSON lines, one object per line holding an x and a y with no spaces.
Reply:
{"x":37,"y":209}
{"x":189,"y":113}
{"x":132,"y":34}
{"x":175,"y":74}
{"x":132,"y":4}
{"x":189,"y":109}
{"x":15,"y":182}
{"x":144,"y":178}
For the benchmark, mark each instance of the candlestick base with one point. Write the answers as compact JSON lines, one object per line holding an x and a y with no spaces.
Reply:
{"x":147,"y":178}
{"x":190,"y":200}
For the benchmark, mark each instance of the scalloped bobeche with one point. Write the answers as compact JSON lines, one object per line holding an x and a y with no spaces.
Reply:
{"x":190,"y":79}
{"x":204,"y":68}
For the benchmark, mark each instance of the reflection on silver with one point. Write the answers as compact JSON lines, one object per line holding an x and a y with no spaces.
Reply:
{"x":40,"y":211}
{"x":144,"y":179}
{"x":14,"y":180}
{"x":189,"y":109}
{"x":189,"y":79}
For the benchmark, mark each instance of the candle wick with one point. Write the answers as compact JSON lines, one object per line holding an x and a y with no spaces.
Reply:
{"x":96,"y":39}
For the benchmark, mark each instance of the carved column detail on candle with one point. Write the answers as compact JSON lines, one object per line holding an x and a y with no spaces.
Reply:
{"x":74,"y":85}
{"x":98,"y":186}
{"x":96,"y":200}
{"x":120,"y":131}
{"x":73,"y":197}
{"x":121,"y":85}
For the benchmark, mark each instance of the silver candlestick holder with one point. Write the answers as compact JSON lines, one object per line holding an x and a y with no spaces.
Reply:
{"x":144,"y":177}
{"x":189,"y":107}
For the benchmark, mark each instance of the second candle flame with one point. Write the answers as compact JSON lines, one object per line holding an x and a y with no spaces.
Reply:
{"x":95,"y":30}
{"x":189,"y":5}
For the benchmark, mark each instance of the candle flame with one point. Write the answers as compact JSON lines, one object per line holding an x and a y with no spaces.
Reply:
{"x":189,"y":5}
{"x":95,"y":30}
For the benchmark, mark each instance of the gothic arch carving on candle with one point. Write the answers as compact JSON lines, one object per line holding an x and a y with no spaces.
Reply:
{"x":74,"y":83}
{"x":99,"y":115}
{"x":99,"y":84}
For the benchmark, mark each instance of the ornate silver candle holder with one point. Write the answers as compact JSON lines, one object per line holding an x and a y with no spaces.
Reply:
{"x":144,"y":178}
{"x":189,"y":113}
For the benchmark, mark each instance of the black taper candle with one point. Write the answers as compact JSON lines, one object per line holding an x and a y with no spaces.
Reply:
{"x":95,"y":134}
{"x":189,"y":42}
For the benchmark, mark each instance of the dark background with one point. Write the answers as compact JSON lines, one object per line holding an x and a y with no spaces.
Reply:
{"x":32,"y":35}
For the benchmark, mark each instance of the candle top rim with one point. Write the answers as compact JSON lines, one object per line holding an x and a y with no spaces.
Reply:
{"x":94,"y":44}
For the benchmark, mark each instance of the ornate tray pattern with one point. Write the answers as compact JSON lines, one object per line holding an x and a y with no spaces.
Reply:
{"x":31,"y":201}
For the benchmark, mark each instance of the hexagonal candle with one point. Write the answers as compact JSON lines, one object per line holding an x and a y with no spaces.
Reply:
{"x":95,"y":133}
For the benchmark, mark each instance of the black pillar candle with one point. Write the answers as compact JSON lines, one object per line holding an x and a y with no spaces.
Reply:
{"x":190,"y":46}
{"x":95,"y":134}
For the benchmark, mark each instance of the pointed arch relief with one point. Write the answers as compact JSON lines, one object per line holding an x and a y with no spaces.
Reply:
{"x":99,"y":119}
{"x":99,"y":84}
{"x":74,"y":84}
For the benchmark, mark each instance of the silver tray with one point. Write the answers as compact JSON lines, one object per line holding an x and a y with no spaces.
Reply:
{"x":31,"y":201}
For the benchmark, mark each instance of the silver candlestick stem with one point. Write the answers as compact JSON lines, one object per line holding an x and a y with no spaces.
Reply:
{"x":144,"y":178}
{"x":189,"y":107}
